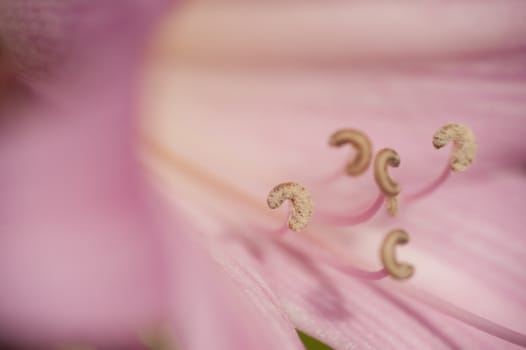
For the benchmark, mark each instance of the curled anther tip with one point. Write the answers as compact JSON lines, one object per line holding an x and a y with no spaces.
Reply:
{"x":385,"y":158}
{"x":399,"y":271}
{"x":301,"y":203}
{"x":392,"y":205}
{"x":361,"y":143}
{"x":464,"y":145}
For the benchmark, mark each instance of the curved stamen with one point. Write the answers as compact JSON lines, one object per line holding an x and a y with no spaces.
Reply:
{"x":429,"y":188}
{"x":301,"y":203}
{"x":364,"y":216}
{"x":469,"y":318}
{"x":384,"y":159}
{"x":360,"y":143}
{"x":399,"y":271}
{"x":464,"y":145}
{"x":463,"y":154}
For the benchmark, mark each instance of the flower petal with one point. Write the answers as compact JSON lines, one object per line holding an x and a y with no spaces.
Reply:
{"x":333,"y":32}
{"x":223,"y":135}
{"x":264,"y":126}
{"x":221,"y":307}
{"x":85,"y":255}
{"x":443,"y":265}
{"x":78,"y":229}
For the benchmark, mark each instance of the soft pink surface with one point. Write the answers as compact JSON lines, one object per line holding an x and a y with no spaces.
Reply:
{"x":230,"y":132}
{"x":79,"y":260}
{"x":88,"y":254}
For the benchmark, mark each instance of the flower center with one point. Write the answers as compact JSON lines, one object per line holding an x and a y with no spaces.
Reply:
{"x":302,"y":213}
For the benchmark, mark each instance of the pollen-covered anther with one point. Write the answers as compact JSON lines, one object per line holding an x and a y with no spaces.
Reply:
{"x":464,"y":145}
{"x":395,"y":269}
{"x":301,"y":203}
{"x":362,"y":145}
{"x":386,"y":158}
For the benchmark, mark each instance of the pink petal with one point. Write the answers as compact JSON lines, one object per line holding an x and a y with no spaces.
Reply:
{"x":346,"y":312}
{"x":78,"y":233}
{"x":478,"y":237}
{"x":87,"y":255}
{"x":222,"y":135}
{"x":219,"y":307}
{"x":335,"y":32}
{"x":283,"y":119}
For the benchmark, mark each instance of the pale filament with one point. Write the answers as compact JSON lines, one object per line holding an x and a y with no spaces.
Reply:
{"x":301,"y":209}
{"x":389,"y":190}
{"x":339,"y":263}
{"x":462,"y":156}
{"x":432,"y":187}
{"x":354,"y":271}
{"x":300,"y":216}
{"x":392,"y":267}
{"x":330,"y":178}
{"x":350,"y":220}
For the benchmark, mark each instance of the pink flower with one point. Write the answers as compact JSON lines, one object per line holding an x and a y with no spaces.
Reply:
{"x":236,"y":99}
{"x":241,"y":97}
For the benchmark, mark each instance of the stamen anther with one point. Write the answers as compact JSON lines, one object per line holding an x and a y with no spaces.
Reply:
{"x":464,"y":145}
{"x":301,"y":203}
{"x":362,"y":145}
{"x":390,"y":188}
{"x":385,"y":158}
{"x":395,"y":269}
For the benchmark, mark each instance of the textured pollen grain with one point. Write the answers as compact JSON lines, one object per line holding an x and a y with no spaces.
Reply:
{"x":464,"y":145}
{"x":399,"y":271}
{"x":301,"y":203}
{"x":362,"y":145}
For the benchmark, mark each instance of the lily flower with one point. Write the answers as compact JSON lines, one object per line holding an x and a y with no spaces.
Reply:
{"x":241,"y":97}
{"x":236,"y":99}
